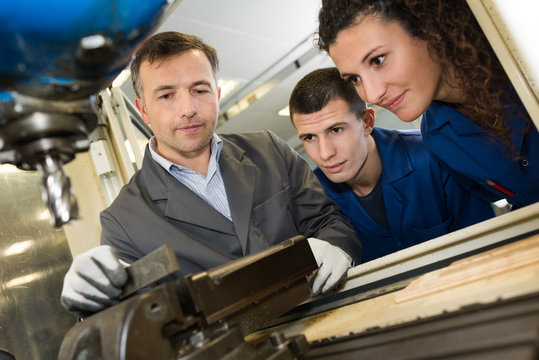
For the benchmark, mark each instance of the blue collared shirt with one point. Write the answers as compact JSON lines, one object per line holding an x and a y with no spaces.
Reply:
{"x":210,"y":187}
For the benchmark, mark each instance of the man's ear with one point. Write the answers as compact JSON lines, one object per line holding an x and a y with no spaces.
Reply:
{"x":141,"y":108}
{"x":368,"y":119}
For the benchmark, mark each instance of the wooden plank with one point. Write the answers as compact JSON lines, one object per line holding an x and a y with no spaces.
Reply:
{"x":383,"y":311}
{"x":496,"y":261}
{"x":472,"y":238}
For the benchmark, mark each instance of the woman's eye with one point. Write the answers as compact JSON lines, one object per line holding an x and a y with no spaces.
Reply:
{"x":354,"y":80}
{"x":378,"y":60}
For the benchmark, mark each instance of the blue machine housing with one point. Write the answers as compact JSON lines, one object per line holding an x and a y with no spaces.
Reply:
{"x":56,"y":56}
{"x":65,"y":49}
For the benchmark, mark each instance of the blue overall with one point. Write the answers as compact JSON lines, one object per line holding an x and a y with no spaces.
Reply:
{"x":480,"y":163}
{"x":422,"y":200}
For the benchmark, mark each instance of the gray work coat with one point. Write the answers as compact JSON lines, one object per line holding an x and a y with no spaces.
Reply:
{"x":272,"y":193}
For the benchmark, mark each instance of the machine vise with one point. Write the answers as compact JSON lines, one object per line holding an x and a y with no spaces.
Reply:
{"x":203,"y":316}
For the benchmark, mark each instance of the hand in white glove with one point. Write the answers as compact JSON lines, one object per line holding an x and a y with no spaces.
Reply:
{"x":93,"y":281}
{"x":332,"y":262}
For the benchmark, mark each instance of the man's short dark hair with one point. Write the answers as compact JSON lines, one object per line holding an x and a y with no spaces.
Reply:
{"x":165,"y":45}
{"x":318,"y":88}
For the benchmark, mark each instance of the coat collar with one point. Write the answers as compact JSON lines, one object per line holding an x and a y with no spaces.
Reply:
{"x":396,"y":163}
{"x":439,"y":114}
{"x":181,"y":203}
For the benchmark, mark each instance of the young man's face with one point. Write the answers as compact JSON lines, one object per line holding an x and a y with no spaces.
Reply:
{"x":181,"y":103}
{"x":335,"y":139}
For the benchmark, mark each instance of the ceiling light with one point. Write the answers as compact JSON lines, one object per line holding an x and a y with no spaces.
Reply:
{"x":245,"y":102}
{"x":284,"y":111}
{"x":227,"y":86}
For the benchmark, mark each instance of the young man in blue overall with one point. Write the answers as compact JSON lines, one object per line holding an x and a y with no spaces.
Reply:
{"x":383,"y":180}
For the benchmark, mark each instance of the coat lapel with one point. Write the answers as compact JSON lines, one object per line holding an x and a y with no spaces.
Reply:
{"x":181,"y":203}
{"x":239,"y":175}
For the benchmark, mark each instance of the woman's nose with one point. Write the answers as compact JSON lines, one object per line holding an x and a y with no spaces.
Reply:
{"x":373,"y":90}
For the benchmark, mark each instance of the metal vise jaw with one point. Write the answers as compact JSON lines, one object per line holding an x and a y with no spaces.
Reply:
{"x":204,"y":316}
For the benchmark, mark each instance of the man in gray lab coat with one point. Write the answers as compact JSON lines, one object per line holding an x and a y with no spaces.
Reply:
{"x":213,"y":198}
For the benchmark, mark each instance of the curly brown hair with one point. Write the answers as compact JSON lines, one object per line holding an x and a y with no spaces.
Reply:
{"x":455,"y":39}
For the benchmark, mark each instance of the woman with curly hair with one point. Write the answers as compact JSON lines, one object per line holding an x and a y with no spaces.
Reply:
{"x":430,"y":58}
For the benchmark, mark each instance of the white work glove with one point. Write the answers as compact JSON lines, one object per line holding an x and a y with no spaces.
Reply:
{"x":93,"y":281}
{"x":332,"y":262}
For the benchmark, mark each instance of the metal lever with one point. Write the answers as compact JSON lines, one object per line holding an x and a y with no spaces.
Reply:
{"x":151,"y":268}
